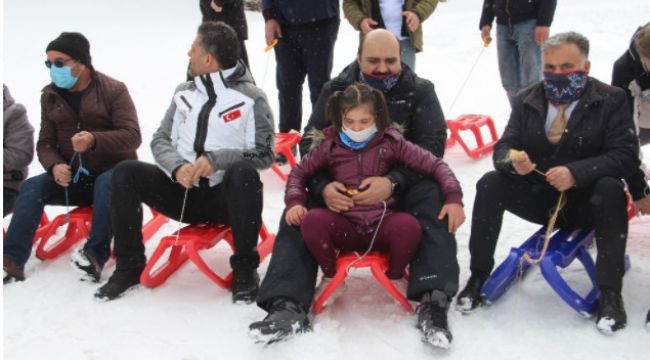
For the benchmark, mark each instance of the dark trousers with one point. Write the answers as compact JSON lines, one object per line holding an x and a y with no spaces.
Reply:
{"x":292,"y":271}
{"x":236,"y":201}
{"x":8,"y":200}
{"x":601,"y":206}
{"x":325,"y":232}
{"x":41,"y":190}
{"x":304,"y":50}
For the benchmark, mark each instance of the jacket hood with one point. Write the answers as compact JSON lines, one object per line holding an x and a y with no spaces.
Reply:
{"x":631,"y":50}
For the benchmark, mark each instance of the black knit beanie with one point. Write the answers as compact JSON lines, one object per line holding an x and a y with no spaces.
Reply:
{"x":74,"y":44}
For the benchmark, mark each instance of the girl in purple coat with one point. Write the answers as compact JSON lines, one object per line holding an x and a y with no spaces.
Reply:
{"x":359,"y":145}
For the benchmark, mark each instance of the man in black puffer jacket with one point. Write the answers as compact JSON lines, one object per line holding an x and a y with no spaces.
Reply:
{"x":232,"y":13}
{"x":288,"y":288}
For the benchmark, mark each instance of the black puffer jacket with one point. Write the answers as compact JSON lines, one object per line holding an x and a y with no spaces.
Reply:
{"x":412,"y":103}
{"x":599,"y":140}
{"x":510,"y":12}
{"x":300,"y":12}
{"x":232,"y":14}
{"x":628,"y":67}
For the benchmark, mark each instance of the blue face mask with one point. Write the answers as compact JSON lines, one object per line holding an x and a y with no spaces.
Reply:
{"x":383,"y":83}
{"x":564,"y":88}
{"x":62,"y":77}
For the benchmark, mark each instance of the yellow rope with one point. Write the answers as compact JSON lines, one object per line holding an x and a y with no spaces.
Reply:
{"x":512,"y":155}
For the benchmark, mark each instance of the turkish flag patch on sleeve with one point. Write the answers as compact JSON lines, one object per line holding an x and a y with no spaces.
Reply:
{"x":232,"y":116}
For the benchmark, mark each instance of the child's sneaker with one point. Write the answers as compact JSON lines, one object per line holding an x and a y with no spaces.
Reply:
{"x":87,"y":265}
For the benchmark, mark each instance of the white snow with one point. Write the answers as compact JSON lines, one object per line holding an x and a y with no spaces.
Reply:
{"x":144,"y":44}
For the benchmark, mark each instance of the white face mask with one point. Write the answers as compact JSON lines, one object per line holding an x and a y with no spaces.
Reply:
{"x":360,"y":136}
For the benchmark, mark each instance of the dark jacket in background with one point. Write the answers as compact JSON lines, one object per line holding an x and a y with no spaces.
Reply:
{"x":17,"y":141}
{"x":350,"y":167}
{"x":599,"y":140}
{"x":232,"y":14}
{"x":412,"y":103}
{"x":106,"y":111}
{"x":510,"y":12}
{"x":628,"y":68}
{"x":300,"y":12}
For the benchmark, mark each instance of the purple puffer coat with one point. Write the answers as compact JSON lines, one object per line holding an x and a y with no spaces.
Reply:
{"x":350,"y":167}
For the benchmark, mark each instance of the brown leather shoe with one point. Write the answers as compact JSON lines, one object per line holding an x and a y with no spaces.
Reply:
{"x":12,"y":272}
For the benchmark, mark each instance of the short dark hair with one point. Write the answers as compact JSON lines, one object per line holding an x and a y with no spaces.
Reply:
{"x":569,"y":37}
{"x":354,"y":95}
{"x":220,"y":40}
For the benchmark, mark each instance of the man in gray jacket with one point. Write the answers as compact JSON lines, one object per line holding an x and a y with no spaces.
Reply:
{"x":216,"y":133}
{"x":17,"y":149}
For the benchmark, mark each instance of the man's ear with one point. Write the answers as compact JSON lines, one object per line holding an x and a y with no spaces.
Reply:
{"x":587,"y":66}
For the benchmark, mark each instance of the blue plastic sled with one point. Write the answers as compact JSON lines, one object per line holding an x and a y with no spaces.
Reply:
{"x":563,"y":248}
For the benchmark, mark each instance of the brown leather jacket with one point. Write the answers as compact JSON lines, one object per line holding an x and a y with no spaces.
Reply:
{"x":106,"y":111}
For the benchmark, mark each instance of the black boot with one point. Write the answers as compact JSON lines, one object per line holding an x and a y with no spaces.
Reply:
{"x":470,"y":298}
{"x":245,"y":284}
{"x":87,"y":264}
{"x":611,"y":312}
{"x":286,"y":318}
{"x":432,"y":319}
{"x":119,"y":282}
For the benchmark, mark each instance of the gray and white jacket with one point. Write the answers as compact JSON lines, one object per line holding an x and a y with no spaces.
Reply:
{"x":222,"y":115}
{"x":17,"y":141}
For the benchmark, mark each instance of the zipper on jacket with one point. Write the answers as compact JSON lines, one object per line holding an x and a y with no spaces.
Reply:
{"x":378,"y":160}
{"x":231,"y":108}
{"x":204,"y":119}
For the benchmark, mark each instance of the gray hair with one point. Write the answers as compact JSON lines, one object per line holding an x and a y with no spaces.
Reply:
{"x":569,"y":37}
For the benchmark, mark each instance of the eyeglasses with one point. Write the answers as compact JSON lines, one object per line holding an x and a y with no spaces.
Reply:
{"x":58,"y":62}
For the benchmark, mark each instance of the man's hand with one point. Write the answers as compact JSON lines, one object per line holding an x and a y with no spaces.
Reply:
{"x":373,"y":190}
{"x":201,"y":168}
{"x":456,"y":216}
{"x":541,"y":34}
{"x":62,"y":174}
{"x":642,"y":206}
{"x":215,"y":7}
{"x":485,"y":35}
{"x":183,"y":175}
{"x":82,"y":141}
{"x":412,"y":20}
{"x":560,"y":177}
{"x":367,"y":25}
{"x":335,"y":198}
{"x":272,"y":30}
{"x":522,"y":164}
{"x":295,"y":215}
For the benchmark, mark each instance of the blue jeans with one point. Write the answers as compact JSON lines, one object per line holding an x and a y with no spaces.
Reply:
{"x":407,"y":53}
{"x":41,"y":190}
{"x":520,"y":58}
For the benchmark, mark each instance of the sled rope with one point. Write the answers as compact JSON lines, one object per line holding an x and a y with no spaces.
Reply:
{"x":81,"y":170}
{"x":180,"y":220}
{"x":469,"y":74}
{"x":372,"y":242}
{"x":561,"y":201}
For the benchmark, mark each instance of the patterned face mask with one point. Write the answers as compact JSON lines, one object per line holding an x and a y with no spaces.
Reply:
{"x":566,"y":87}
{"x":383,"y":83}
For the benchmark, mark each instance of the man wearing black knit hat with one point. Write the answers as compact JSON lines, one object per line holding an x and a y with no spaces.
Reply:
{"x":88,"y":125}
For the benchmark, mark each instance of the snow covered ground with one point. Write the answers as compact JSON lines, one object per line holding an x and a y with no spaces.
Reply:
{"x":144,"y":44}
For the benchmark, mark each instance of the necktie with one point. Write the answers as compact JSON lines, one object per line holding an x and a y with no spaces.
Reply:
{"x":558,"y":125}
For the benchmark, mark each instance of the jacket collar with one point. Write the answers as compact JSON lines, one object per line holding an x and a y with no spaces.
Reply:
{"x":223,"y":79}
{"x":536,"y":98}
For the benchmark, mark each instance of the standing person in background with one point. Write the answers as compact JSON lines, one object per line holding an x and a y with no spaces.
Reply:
{"x":401,"y":17}
{"x":17,"y":149}
{"x":522,"y":27}
{"x":232,"y":13}
{"x":306,"y":32}
{"x":632,"y":74}
{"x":88,"y":121}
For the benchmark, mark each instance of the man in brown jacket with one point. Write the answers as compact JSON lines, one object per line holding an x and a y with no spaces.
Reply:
{"x":88,"y":125}
{"x":402,"y":18}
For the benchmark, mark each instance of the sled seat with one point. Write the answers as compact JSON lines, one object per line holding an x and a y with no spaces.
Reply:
{"x":192,"y":239}
{"x":378,"y":264}
{"x":473,"y":123}
{"x":284,"y":142}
